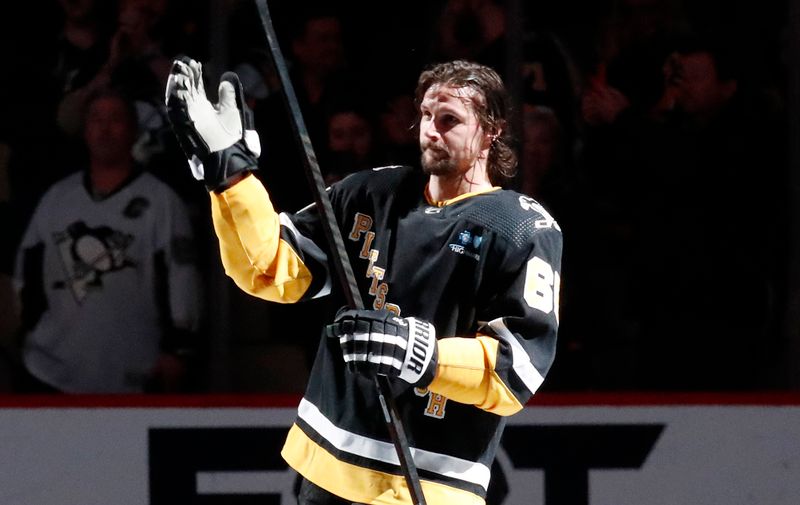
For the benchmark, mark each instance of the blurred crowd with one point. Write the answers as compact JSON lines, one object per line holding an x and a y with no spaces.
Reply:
{"x":655,"y":132}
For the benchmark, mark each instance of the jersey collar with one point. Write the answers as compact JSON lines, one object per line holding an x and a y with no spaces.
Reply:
{"x":444,"y":203}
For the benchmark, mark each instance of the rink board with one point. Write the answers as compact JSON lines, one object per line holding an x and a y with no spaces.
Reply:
{"x":562,"y":449}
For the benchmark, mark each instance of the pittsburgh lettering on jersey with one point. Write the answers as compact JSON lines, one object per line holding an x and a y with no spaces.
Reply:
{"x":362,"y":231}
{"x":361,"y":223}
{"x":436,"y":403}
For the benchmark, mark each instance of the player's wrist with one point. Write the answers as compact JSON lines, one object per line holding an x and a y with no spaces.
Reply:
{"x":419,"y":365}
{"x":223,"y":169}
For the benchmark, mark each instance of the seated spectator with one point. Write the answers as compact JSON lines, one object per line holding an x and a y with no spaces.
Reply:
{"x":321,"y":73}
{"x":351,"y":142}
{"x":543,"y":153}
{"x":399,"y":136}
{"x":723,"y":175}
{"x":136,"y":62}
{"x":105,"y":274}
{"x":474,"y":30}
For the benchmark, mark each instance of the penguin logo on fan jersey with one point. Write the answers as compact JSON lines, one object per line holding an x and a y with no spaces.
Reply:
{"x":88,"y":254}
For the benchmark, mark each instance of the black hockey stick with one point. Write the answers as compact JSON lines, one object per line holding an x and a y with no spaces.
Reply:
{"x":340,"y":261}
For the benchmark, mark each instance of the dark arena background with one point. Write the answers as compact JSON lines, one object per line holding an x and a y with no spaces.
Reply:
{"x":663,"y":135}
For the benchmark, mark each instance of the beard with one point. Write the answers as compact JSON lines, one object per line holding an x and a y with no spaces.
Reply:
{"x":437,"y":162}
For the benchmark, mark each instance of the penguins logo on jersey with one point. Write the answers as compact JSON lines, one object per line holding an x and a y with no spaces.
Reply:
{"x":547,"y":221}
{"x":87,"y":254}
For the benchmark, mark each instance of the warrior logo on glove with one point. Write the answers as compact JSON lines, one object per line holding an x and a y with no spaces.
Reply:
{"x":378,"y":342}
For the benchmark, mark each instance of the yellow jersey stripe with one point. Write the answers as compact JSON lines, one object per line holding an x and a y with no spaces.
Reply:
{"x":361,"y":484}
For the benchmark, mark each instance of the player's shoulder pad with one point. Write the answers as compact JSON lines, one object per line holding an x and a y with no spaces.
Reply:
{"x":515,"y":216}
{"x":379,"y":179}
{"x":529,"y":206}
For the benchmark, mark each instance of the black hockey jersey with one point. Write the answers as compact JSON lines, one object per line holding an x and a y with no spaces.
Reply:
{"x":483,"y":268}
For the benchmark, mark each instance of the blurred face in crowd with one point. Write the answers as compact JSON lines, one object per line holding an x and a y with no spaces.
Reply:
{"x":157,"y":7}
{"x":321,"y":48}
{"x":451,"y":137}
{"x":642,"y":18}
{"x":110,"y":130}
{"x":398,"y":120}
{"x":541,"y":140}
{"x":77,"y":9}
{"x":350,"y":132}
{"x":698,"y":90}
{"x":135,"y":19}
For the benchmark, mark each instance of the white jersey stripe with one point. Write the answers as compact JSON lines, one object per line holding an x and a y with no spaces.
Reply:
{"x":366,"y":447}
{"x":522,"y":364}
{"x":310,"y":248}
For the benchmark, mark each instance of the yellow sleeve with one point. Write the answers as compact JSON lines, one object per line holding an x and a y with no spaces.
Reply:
{"x":253,"y":253}
{"x":465,"y":373}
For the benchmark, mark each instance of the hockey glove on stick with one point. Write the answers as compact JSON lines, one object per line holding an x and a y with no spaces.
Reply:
{"x":378,"y":342}
{"x":218,"y":139}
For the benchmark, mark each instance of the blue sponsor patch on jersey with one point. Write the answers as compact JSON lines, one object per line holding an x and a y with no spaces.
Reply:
{"x":467,"y":244}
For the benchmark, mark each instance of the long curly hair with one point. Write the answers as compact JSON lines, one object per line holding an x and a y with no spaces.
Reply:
{"x":491,"y":105}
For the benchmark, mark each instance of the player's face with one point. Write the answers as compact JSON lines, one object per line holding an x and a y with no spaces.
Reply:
{"x":450,"y":136}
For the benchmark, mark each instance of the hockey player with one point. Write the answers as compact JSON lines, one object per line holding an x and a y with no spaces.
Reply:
{"x":462,"y":278}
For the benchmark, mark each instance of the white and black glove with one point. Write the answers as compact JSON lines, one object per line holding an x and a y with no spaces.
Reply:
{"x":378,"y":342}
{"x":218,"y":139}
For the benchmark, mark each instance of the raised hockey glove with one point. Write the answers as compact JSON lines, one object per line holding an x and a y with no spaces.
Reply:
{"x":218,"y":139}
{"x":378,"y":342}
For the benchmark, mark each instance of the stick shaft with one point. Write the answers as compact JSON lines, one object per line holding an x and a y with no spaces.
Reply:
{"x":339,"y":254}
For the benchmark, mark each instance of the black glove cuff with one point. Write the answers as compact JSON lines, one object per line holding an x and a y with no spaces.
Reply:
{"x":430,"y":372}
{"x":223,"y":169}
